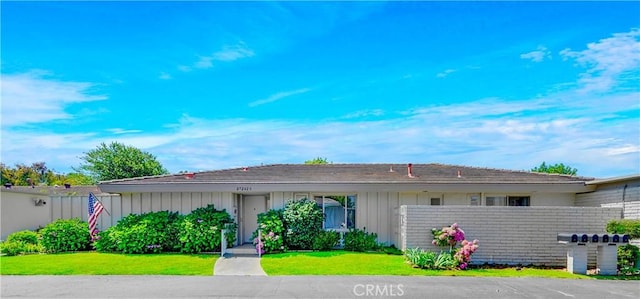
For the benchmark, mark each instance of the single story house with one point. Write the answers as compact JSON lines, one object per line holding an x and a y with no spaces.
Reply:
{"x":398,"y":202}
{"x":516,"y":215}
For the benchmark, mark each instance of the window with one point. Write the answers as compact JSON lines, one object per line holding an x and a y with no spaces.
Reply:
{"x":518,"y":201}
{"x":474,"y":199}
{"x":339,"y":211}
{"x":495,"y":200}
{"x":435,"y":201}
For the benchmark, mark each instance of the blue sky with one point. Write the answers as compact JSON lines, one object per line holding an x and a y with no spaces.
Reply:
{"x":209,"y":85}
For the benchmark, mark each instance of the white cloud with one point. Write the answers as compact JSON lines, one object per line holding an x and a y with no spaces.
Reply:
{"x":164,"y":76}
{"x":538,"y":55}
{"x":122,"y":131}
{"x":227,"y":54}
{"x":445,"y":73}
{"x":29,"y":98}
{"x":365,"y":113}
{"x":569,"y":128}
{"x":205,"y":62}
{"x":608,"y":62}
{"x":278,"y":96}
{"x":235,"y":52}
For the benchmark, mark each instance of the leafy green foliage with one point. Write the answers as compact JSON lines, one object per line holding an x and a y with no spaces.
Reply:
{"x":151,"y":232}
{"x":445,"y":260}
{"x":21,"y":242}
{"x":318,"y":160}
{"x":201,"y":230}
{"x":271,"y":224}
{"x":65,"y":235}
{"x":26,"y":236}
{"x":118,"y":161}
{"x":35,"y":174}
{"x":326,"y":240}
{"x":430,"y":260}
{"x":627,"y":258}
{"x":558,"y":168}
{"x":360,"y":240}
{"x":303,"y":221}
{"x":630,"y":227}
{"x":420,"y":258}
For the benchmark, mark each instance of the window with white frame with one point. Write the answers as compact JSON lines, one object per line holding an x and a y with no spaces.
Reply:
{"x":339,"y":211}
{"x":474,"y":199}
{"x":435,"y":201}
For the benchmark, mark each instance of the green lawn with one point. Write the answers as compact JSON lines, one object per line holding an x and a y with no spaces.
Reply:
{"x":350,"y":263}
{"x":93,"y":263}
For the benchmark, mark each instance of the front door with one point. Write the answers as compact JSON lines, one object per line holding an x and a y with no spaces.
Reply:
{"x":251,"y":207}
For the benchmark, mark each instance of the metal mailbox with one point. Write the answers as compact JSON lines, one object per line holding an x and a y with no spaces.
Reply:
{"x":568,"y":238}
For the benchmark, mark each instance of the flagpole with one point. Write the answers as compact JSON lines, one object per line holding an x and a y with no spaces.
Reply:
{"x":103,"y":207}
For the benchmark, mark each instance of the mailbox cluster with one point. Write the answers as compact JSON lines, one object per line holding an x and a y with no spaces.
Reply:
{"x":607,"y":245}
{"x":595,"y":238}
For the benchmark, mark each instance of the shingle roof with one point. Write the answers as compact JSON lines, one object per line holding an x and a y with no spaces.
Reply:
{"x":356,"y":173}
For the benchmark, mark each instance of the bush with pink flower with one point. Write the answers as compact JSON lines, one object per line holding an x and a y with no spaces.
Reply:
{"x":459,"y":248}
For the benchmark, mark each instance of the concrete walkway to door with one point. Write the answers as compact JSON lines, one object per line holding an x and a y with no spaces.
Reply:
{"x":240,"y":260}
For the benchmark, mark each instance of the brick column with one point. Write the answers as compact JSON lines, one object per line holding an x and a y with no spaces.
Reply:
{"x":607,"y":260}
{"x":577,"y":259}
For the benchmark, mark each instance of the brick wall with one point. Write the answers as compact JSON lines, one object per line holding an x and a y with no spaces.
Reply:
{"x":507,"y":235}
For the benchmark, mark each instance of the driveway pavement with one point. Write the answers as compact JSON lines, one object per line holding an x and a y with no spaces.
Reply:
{"x":310,"y":287}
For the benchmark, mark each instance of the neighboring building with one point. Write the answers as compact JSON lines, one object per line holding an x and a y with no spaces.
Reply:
{"x":619,"y":192}
{"x":24,"y":207}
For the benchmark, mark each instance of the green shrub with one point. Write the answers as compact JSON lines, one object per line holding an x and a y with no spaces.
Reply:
{"x":26,"y":236}
{"x":13,"y":248}
{"x":625,"y":226}
{"x":21,"y":242}
{"x":326,"y":240}
{"x":445,"y":261}
{"x":151,"y":232}
{"x":360,"y":240}
{"x":200,"y":231}
{"x":303,"y":221}
{"x":627,"y":258}
{"x":423,"y":259}
{"x":420,"y":258}
{"x":271,"y":225}
{"x":65,"y":235}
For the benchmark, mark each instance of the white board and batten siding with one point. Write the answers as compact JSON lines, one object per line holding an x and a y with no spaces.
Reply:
{"x":375,"y":211}
{"x":119,"y":206}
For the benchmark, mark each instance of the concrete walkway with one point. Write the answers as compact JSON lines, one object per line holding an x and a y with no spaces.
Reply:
{"x":241,"y":260}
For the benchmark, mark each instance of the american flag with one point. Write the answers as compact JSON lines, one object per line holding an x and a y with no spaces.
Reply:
{"x":95,"y":208}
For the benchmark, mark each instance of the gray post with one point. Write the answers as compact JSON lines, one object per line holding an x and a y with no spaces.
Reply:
{"x":223,"y":243}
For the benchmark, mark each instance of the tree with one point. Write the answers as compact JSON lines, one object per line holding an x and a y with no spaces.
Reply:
{"x":24,"y":175}
{"x":119,"y":161}
{"x":318,"y":160}
{"x":558,"y":168}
